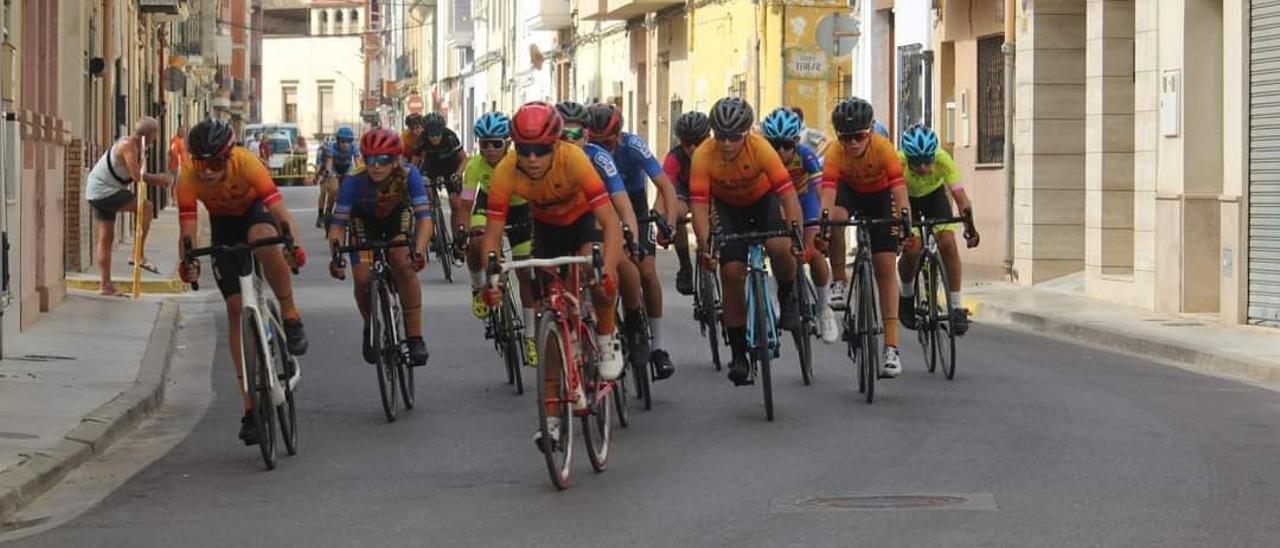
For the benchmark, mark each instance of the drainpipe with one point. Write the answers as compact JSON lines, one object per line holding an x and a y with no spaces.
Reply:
{"x":1010,"y":38}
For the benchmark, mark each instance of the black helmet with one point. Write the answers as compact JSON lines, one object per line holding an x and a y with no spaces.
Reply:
{"x":731,"y":115}
{"x":573,"y":112}
{"x":692,"y":126}
{"x":434,"y":122}
{"x":852,"y":115}
{"x":412,"y":120}
{"x":605,"y":122}
{"x":211,"y":138}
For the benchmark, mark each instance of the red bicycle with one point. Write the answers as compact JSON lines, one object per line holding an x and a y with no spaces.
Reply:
{"x":569,"y":383}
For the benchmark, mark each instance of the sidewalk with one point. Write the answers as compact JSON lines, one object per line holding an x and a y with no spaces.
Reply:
{"x":1198,"y":343}
{"x":161,"y":250}
{"x":74,"y":383}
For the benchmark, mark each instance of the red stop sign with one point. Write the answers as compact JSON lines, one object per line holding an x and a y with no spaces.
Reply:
{"x":414,"y":103}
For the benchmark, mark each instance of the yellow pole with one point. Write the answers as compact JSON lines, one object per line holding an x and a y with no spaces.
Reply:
{"x":138,"y":220}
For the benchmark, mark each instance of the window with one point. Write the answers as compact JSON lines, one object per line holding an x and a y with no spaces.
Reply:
{"x":910,"y":82}
{"x":337,"y":17}
{"x":991,"y":130}
{"x":738,"y":86}
{"x":289,"y":100}
{"x":325,"y":113}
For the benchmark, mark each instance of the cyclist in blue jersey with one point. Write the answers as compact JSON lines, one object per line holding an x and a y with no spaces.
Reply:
{"x":636,"y":163}
{"x":576,"y":117}
{"x":386,"y":201}
{"x":322,"y":155}
{"x":340,"y":159}
{"x":783,"y":129}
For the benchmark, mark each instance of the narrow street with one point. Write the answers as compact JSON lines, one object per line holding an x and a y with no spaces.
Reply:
{"x":1040,"y":441}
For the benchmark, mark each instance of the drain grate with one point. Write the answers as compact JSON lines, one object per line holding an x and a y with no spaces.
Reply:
{"x":913,"y":501}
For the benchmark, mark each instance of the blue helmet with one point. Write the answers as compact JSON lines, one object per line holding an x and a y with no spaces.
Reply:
{"x":919,"y":142}
{"x":493,"y":125}
{"x":782,"y":123}
{"x":346,"y":134}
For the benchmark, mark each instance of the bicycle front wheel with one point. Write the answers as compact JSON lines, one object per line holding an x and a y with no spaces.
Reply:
{"x":942,"y":349}
{"x":708,"y":316}
{"x":385,"y":364}
{"x":597,"y":425}
{"x":803,"y":335}
{"x":554,"y":400}
{"x":256,"y":373}
{"x":404,"y":373}
{"x":868,"y":326}
{"x":762,"y":350}
{"x":512,"y":345}
{"x":287,"y":412}
{"x":441,"y":239}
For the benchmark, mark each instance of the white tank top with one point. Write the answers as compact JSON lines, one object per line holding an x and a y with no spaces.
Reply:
{"x":109,"y":176}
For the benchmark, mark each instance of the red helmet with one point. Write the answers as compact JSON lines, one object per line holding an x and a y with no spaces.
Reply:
{"x":536,"y":123}
{"x":380,"y":141}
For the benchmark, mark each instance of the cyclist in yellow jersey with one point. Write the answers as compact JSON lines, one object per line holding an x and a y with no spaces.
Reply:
{"x":931,"y":176}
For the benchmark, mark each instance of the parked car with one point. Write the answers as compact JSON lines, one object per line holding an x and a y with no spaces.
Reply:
{"x":288,"y":165}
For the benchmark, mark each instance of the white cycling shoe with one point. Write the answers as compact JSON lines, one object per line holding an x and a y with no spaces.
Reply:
{"x":828,"y":328}
{"x":553,"y":426}
{"x":838,"y":290}
{"x":611,"y":362}
{"x":892,"y":363}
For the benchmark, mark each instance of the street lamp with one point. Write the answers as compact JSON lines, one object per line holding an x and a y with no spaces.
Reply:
{"x":355,"y":98}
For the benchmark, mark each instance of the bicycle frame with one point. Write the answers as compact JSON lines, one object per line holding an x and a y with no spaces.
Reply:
{"x":756,"y":274}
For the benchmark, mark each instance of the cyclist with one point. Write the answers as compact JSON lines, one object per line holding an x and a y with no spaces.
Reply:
{"x":931,"y":176}
{"x":440,"y":156}
{"x":409,"y":137}
{"x":322,"y":155}
{"x":862,"y":176}
{"x":493,"y":130}
{"x":746,"y":181}
{"x":339,"y":160}
{"x":692,"y":128}
{"x":636,"y":163}
{"x":385,"y":201}
{"x":244,"y":206}
{"x":782,"y":128}
{"x":567,"y":201}
{"x":576,"y":117}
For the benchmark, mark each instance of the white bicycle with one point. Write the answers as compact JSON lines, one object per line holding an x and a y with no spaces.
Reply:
{"x":270,"y":373}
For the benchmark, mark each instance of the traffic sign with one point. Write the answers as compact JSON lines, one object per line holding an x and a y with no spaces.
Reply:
{"x":838,"y":34}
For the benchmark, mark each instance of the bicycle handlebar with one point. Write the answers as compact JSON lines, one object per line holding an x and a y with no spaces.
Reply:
{"x":373,"y":245}
{"x":191,"y":254}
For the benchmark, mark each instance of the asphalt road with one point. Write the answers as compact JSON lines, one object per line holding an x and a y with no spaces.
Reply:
{"x":1039,"y":441}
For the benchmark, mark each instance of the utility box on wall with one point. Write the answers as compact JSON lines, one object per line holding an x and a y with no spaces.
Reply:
{"x":1170,"y":102}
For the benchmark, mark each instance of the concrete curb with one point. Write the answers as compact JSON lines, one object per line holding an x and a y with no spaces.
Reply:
{"x":22,"y":484}
{"x":1188,"y":356}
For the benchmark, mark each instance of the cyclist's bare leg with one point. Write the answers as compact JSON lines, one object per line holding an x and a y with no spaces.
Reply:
{"x":781,"y":259}
{"x":818,"y":264}
{"x":275,"y":269}
{"x":629,"y":285}
{"x":908,"y":264}
{"x":837,"y":250}
{"x":456,"y":215}
{"x":652,"y":287}
{"x":233,"y":342}
{"x":887,"y":282}
{"x":474,"y":259}
{"x":330,"y":195}
{"x":360,"y":278}
{"x":410,"y":291}
{"x":951,"y":259}
{"x":733,"y":279}
{"x":604,"y":301}
{"x":682,"y":235}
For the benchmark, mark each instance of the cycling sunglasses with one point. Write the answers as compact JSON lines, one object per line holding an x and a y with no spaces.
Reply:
{"x":857,"y":136}
{"x":536,"y":151}
{"x":573,"y":133}
{"x":783,"y":144}
{"x":217,"y":163}
{"x":920,"y":160}
{"x":730,"y":137}
{"x":379,"y":159}
{"x":493,"y":143}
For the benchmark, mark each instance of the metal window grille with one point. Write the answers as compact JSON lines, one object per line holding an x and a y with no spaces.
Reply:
{"x":738,"y":86}
{"x":910,"y":96}
{"x":991,"y":130}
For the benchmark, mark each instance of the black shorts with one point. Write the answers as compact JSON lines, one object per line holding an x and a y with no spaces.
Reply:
{"x":398,"y":223}
{"x":934,"y":205}
{"x":105,"y":209}
{"x":519,"y":218}
{"x":552,"y":241}
{"x":231,"y":230}
{"x":763,"y":215}
{"x":452,"y":182}
{"x":871,"y":205}
{"x":646,"y":235}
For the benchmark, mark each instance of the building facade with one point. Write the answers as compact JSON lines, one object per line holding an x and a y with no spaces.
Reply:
{"x":312,"y":66}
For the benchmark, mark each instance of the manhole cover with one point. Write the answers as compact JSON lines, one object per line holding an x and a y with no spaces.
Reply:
{"x":883,"y":502}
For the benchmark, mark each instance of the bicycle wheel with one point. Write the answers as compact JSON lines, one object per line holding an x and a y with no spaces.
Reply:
{"x":943,"y":347}
{"x":921,"y":303}
{"x":640,"y":366}
{"x":556,"y":395}
{"x":868,"y":362}
{"x":708,"y":317}
{"x":803,"y":335}
{"x":256,"y":378}
{"x":404,"y":372}
{"x":597,"y":425}
{"x":443,"y":243}
{"x":384,"y":364}
{"x":620,"y":401}
{"x":762,"y":350}
{"x":287,"y":412}
{"x":513,"y":347}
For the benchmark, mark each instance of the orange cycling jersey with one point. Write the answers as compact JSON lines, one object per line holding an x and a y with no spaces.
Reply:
{"x":409,"y":142}
{"x":570,"y":188}
{"x":877,"y":169}
{"x":246,"y":181}
{"x":742,"y":180}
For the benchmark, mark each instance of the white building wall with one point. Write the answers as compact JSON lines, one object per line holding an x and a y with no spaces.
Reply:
{"x":308,"y":61}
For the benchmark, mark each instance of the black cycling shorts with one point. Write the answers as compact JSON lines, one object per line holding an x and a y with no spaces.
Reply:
{"x":552,"y":241}
{"x":934,"y":205}
{"x":871,"y":205}
{"x":452,"y":182}
{"x":231,"y":230}
{"x":761,"y":216}
{"x":519,"y":218}
{"x":647,"y":234}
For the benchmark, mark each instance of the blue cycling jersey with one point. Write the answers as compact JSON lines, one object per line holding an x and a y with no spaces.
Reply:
{"x":360,"y":197}
{"x":636,"y":163}
{"x":342,"y":159}
{"x":603,"y":161}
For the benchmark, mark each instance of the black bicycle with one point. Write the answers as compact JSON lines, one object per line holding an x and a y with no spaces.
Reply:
{"x":386,"y":325}
{"x":504,"y":324}
{"x":863,"y":327}
{"x":932,"y":306}
{"x":707,"y":310}
{"x":442,"y":236}
{"x":807,"y":302}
